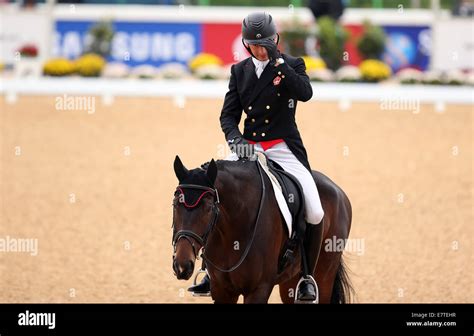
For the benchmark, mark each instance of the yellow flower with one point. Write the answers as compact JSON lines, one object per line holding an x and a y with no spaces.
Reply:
{"x":204,"y":59}
{"x":373,"y":70}
{"x":59,"y":67}
{"x":313,"y":63}
{"x":90,"y":65}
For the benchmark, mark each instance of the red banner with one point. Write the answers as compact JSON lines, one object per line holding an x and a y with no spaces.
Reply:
{"x":223,"y":40}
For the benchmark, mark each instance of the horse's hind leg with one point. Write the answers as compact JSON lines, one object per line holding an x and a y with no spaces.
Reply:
{"x":324,"y":278}
{"x":325,"y":273}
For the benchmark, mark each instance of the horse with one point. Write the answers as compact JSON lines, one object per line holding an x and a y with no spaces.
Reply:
{"x":229,"y":210}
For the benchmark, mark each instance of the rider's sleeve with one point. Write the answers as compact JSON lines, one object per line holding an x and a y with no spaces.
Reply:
{"x":232,"y":110}
{"x":296,"y":79}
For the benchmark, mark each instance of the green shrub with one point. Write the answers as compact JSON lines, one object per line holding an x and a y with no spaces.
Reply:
{"x":331,"y":37}
{"x":372,"y":43}
{"x":294,"y":35}
{"x":100,"y":39}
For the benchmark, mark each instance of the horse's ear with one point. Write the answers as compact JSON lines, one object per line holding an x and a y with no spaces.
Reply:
{"x":212,"y":171}
{"x":179,"y":169}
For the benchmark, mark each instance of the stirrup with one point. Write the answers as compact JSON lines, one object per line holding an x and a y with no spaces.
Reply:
{"x":316,"y":290}
{"x":195,"y":284}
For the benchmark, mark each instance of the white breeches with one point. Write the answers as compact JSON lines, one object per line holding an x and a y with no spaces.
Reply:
{"x":281,"y":154}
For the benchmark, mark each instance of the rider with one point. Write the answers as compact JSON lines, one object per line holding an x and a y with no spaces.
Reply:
{"x":267,"y":87}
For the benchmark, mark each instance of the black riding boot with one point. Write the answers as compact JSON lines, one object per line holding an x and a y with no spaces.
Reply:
{"x":202,"y":288}
{"x":312,"y":247}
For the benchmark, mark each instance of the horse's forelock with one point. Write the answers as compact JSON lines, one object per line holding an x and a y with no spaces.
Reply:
{"x":198,"y":177}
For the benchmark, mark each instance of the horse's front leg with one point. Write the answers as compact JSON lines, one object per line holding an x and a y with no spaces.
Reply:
{"x":259,"y":295}
{"x":222,"y":295}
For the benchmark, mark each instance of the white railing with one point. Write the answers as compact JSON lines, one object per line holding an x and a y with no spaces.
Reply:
{"x":339,"y":92}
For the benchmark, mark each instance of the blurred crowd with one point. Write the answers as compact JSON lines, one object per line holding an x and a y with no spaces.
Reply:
{"x":333,"y":8}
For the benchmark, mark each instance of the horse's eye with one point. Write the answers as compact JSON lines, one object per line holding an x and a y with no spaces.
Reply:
{"x":207,"y":205}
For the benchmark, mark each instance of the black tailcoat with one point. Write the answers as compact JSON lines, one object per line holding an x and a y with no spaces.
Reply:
{"x":269,"y":103}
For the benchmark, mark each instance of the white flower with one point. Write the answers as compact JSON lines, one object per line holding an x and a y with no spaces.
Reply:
{"x":409,"y":76}
{"x":173,"y":71}
{"x":211,"y":71}
{"x":433,"y":77}
{"x":115,"y":70}
{"x":144,"y":71}
{"x":455,"y":77}
{"x":323,"y":75}
{"x":470,"y":78}
{"x":348,"y":73}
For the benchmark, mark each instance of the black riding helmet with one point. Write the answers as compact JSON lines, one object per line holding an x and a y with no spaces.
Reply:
{"x":256,"y":27}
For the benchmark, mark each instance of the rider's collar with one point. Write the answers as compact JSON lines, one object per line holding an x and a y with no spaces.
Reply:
{"x":258,"y":63}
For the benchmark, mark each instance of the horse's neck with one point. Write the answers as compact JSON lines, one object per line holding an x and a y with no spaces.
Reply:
{"x":240,"y":193}
{"x":240,"y":197}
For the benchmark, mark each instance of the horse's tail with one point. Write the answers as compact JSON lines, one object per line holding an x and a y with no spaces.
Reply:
{"x":342,"y":290}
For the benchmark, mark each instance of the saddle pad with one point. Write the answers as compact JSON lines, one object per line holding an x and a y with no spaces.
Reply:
{"x":282,"y":205}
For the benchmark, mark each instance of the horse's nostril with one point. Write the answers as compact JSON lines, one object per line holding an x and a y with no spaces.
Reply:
{"x":188,"y":268}
{"x":175,"y":267}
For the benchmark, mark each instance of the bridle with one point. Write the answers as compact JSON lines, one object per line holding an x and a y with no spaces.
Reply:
{"x":190,"y":235}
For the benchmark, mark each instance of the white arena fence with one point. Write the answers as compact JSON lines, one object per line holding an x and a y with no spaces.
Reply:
{"x":344,"y":93}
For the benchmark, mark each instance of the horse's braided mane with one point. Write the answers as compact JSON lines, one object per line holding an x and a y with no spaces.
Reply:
{"x":205,"y":165}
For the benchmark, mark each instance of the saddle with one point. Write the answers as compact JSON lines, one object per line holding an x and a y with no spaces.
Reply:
{"x":294,"y":197}
{"x":293,"y":194}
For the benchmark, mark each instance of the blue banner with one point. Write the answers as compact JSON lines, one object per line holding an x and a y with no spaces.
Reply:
{"x":407,"y":46}
{"x":134,"y":43}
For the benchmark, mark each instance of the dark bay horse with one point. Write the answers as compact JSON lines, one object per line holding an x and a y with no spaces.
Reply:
{"x":230,"y":210}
